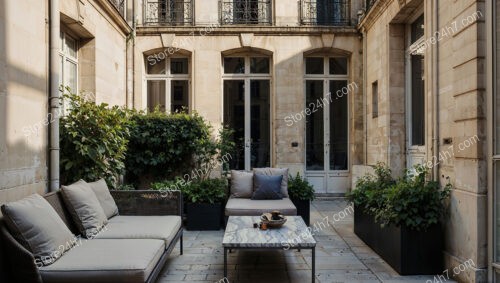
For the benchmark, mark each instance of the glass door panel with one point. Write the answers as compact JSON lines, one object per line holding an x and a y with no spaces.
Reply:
{"x":315,"y":155}
{"x":338,"y":126}
{"x":234,"y":117}
{"x":179,"y":96}
{"x":156,"y":95}
{"x":260,"y":123}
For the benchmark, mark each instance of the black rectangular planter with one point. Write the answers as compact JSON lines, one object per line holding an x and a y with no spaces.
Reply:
{"x":203,"y":216}
{"x":409,"y":252}
{"x":303,"y":209}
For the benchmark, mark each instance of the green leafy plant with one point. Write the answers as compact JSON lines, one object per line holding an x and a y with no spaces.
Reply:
{"x":370,"y":188}
{"x":299,"y":188}
{"x":410,"y":201}
{"x":413,"y":201}
{"x":206,"y":191}
{"x":163,"y":145}
{"x":93,"y":141}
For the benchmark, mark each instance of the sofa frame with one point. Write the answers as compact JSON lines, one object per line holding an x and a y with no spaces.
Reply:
{"x":135,"y":202}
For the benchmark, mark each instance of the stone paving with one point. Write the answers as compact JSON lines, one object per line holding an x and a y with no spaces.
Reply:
{"x":340,"y":257}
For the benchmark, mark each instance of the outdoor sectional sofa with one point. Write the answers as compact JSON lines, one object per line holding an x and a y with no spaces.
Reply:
{"x":241,"y":201}
{"x":132,"y":247}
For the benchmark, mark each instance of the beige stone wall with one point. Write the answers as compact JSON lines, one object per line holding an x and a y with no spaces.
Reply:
{"x":461,"y":113}
{"x":24,"y":38}
{"x":287,"y":90}
{"x":23,"y":98}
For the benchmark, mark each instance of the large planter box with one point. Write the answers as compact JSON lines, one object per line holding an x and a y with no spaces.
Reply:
{"x":303,"y":209}
{"x":409,"y":252}
{"x":202,"y":216}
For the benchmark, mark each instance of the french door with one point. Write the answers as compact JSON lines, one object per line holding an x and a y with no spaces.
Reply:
{"x":327,"y":150}
{"x":247,"y":109}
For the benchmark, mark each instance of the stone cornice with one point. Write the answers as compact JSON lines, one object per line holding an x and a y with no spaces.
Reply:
{"x":115,"y":16}
{"x":235,"y":30}
{"x":373,"y":14}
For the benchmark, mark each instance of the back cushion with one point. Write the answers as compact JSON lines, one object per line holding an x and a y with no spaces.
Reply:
{"x":85,"y":208}
{"x":107,"y":202}
{"x":241,"y":184}
{"x":35,"y":224}
{"x":276,"y":172}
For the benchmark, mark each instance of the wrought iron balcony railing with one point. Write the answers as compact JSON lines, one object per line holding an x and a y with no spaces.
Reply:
{"x":168,"y":12}
{"x":245,"y":12}
{"x":119,"y":5}
{"x":369,"y":4}
{"x":325,"y":12}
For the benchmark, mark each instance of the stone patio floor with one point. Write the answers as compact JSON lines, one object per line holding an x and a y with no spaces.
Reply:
{"x":340,"y":257}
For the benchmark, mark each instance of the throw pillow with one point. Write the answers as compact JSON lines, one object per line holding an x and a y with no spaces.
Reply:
{"x":267,"y":187}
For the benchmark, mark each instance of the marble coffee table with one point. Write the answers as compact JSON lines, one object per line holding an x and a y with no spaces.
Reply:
{"x":294,"y":234}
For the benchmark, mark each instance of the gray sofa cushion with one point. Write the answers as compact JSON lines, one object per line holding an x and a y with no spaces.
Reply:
{"x":142,"y":227}
{"x":107,"y":202}
{"x":273,"y":172}
{"x":85,"y":208}
{"x":267,"y":187}
{"x":249,"y":207}
{"x":100,"y":261}
{"x":241,"y":184}
{"x":36,"y":225}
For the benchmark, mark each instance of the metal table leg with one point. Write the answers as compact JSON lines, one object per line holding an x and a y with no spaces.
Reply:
{"x":225,"y":262}
{"x":314,"y":265}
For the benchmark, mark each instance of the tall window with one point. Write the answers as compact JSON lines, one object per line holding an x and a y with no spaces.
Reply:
{"x":417,"y":93}
{"x":327,"y":95}
{"x":167,"y":84}
{"x":247,"y":109}
{"x":68,"y":56}
{"x":245,"y":11}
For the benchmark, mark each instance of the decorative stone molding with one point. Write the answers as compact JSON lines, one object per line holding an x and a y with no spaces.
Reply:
{"x":328,"y":39}
{"x":246,"y":39}
{"x":167,"y":39}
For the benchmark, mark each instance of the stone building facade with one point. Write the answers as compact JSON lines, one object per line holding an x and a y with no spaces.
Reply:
{"x":325,"y":90}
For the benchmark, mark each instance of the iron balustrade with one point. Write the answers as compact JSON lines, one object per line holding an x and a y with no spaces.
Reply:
{"x":245,"y":12}
{"x":168,"y":12}
{"x":325,"y":12}
{"x":119,"y":5}
{"x":369,"y":4}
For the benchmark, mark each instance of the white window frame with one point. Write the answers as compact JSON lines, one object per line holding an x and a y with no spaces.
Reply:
{"x":67,"y":58}
{"x":168,"y":77}
{"x":247,"y":77}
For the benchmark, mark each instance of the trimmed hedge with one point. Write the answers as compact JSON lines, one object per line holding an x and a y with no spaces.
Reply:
{"x":162,"y":145}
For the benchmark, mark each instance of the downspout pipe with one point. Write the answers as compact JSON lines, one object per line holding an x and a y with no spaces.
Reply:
{"x":435,"y":92}
{"x":54,"y":96}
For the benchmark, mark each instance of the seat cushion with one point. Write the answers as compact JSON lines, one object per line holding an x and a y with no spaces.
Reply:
{"x":107,"y":202}
{"x":100,"y":261}
{"x":142,"y":227}
{"x":85,"y":208}
{"x":35,"y":224}
{"x":249,"y":207}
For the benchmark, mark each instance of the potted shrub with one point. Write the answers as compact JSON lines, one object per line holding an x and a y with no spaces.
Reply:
{"x":204,"y":199}
{"x":301,"y":194}
{"x":400,"y":219}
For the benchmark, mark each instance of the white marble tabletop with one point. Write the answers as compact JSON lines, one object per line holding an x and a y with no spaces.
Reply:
{"x":241,"y":234}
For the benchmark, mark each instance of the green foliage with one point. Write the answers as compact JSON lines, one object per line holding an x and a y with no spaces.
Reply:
{"x":165,"y":145}
{"x":299,"y":188}
{"x":93,"y":141}
{"x":370,"y":188}
{"x":411,"y":201}
{"x":206,"y":191}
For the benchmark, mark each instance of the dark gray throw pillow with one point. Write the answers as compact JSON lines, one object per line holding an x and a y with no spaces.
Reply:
{"x":267,"y":187}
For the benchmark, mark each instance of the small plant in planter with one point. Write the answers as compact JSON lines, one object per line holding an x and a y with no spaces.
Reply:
{"x":301,"y":194}
{"x":204,"y":199}
{"x":400,"y":219}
